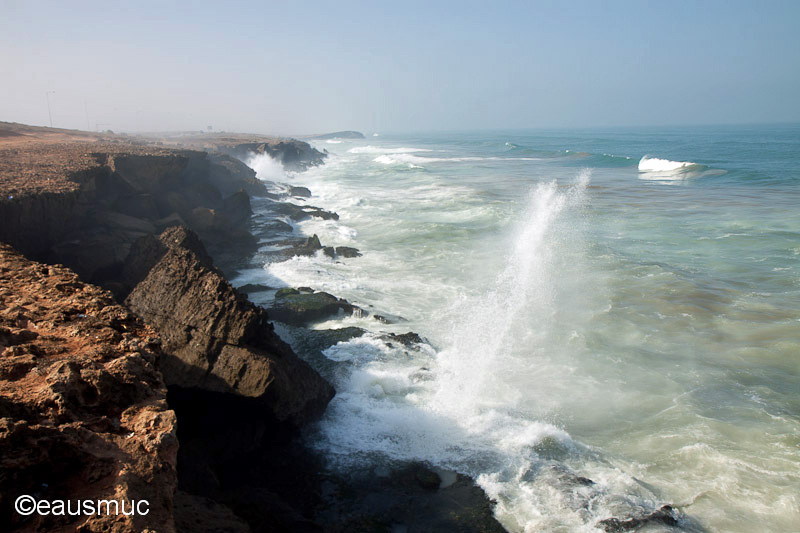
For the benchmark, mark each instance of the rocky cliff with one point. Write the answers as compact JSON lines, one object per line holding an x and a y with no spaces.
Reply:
{"x":83,"y":380}
{"x":83,"y":411}
{"x":83,"y":402}
{"x":216,"y":340}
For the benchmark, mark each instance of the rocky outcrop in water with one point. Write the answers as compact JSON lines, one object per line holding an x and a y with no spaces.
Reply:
{"x":411,"y":497}
{"x":291,"y":153}
{"x":83,"y":410}
{"x":665,"y":516}
{"x":303,"y":306}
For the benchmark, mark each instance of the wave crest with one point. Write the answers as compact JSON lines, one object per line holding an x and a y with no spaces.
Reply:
{"x":654,"y":164}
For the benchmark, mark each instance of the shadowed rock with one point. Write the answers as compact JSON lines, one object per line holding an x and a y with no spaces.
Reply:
{"x":410,"y":498}
{"x":300,"y":212}
{"x":216,"y":340}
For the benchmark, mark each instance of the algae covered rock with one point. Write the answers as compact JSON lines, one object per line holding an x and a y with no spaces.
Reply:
{"x":299,"y":307}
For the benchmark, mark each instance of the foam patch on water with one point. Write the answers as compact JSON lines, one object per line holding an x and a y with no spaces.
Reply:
{"x":460,"y":408}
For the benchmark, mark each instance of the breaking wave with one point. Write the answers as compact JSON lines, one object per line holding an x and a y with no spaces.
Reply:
{"x":654,"y":164}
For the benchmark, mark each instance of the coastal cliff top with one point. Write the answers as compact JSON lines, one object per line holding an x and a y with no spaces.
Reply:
{"x":37,"y":160}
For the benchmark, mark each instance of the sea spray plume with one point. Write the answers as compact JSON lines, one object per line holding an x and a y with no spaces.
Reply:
{"x":384,"y":405}
{"x":482,"y":339}
{"x":267,"y":168}
{"x":473,"y":407}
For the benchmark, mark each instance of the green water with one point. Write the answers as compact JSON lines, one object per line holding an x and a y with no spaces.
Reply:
{"x":635,"y":322}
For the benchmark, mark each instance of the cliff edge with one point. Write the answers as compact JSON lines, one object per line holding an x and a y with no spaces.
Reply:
{"x":83,"y":411}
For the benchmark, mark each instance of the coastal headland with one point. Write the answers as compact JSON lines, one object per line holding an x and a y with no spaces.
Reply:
{"x":131,"y":369}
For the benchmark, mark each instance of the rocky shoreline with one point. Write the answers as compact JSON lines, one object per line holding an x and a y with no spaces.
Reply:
{"x":134,"y":370}
{"x":131,"y":369}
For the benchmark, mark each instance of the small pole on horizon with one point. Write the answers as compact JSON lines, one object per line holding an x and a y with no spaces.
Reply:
{"x":49,"y":114}
{"x":86,"y":108}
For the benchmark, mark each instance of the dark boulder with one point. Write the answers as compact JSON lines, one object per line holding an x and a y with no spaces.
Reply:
{"x":347,"y":251}
{"x":300,"y":212}
{"x":408,"y":340}
{"x":252,"y":288}
{"x":296,"y":307}
{"x":666,"y":515}
{"x":308,"y":246}
{"x":301,"y":192}
{"x":411,"y":497}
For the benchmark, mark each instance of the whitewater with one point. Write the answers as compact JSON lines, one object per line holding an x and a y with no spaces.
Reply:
{"x":605,"y":334}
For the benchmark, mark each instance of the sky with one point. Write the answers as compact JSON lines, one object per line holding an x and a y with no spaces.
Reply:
{"x":310,"y":67}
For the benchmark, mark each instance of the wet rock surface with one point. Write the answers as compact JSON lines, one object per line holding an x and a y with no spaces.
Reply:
{"x":304,"y":306}
{"x":665,"y":516}
{"x":409,"y":497}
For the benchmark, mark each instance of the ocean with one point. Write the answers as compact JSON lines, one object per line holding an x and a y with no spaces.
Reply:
{"x":612,"y":317}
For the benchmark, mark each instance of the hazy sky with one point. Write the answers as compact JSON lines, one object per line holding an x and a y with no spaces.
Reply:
{"x":299,"y":67}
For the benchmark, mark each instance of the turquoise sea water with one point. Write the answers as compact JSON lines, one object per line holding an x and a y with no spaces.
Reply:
{"x":619,"y":305}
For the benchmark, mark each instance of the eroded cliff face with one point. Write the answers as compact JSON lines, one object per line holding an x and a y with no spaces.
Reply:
{"x":214,"y":338}
{"x":83,"y":412}
{"x":82,"y":394}
{"x":86,"y":213}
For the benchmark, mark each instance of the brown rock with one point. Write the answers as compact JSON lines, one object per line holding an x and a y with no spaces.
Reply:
{"x":83,"y":410}
{"x":216,"y":340}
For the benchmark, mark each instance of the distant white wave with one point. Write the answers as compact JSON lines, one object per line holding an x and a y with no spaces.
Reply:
{"x":405,"y":159}
{"x":333,"y":141}
{"x":653,"y":164}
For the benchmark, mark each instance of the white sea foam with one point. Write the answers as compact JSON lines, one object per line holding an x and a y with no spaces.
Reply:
{"x":406,"y":159}
{"x":266,"y":167}
{"x":550,"y":381}
{"x":465,"y":407}
{"x":653,"y":164}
